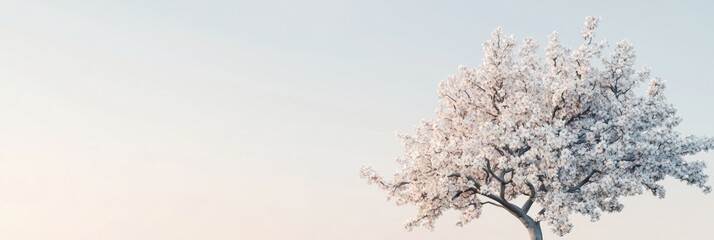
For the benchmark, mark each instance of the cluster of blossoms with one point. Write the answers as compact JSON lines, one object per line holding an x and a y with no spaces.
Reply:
{"x":567,"y":134}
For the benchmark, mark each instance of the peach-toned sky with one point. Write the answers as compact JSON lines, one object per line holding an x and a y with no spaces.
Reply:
{"x":249,"y":120}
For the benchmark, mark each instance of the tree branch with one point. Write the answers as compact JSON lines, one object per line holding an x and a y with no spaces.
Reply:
{"x":576,"y":116}
{"x":458,"y":175}
{"x":582,"y":182}
{"x":527,"y":205}
{"x":523,"y":150}
{"x":498,"y":150}
{"x":503,"y":181}
{"x":498,"y":177}
{"x":492,"y":203}
{"x":474,"y":190}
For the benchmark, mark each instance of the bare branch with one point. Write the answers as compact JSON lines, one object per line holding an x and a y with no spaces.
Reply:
{"x":527,"y":205}
{"x":492,"y":203}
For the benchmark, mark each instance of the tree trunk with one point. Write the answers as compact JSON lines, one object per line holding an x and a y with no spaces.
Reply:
{"x":533,"y":228}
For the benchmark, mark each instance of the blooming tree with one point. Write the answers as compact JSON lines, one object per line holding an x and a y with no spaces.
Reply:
{"x":566,"y":133}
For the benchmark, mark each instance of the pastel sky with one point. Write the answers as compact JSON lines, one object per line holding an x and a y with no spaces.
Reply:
{"x":127,"y":120}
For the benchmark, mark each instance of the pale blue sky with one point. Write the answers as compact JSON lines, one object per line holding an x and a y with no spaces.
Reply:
{"x":250,"y":120}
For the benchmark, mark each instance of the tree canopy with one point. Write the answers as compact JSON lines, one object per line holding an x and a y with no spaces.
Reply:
{"x":563,"y":132}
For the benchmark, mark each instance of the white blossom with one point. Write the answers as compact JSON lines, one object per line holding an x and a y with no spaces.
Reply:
{"x":566,"y":134}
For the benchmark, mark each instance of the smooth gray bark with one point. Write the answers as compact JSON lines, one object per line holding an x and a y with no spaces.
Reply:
{"x":533,"y":228}
{"x":531,"y":225}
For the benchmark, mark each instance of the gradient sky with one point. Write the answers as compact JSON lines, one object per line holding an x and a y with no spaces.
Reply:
{"x":249,"y":120}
